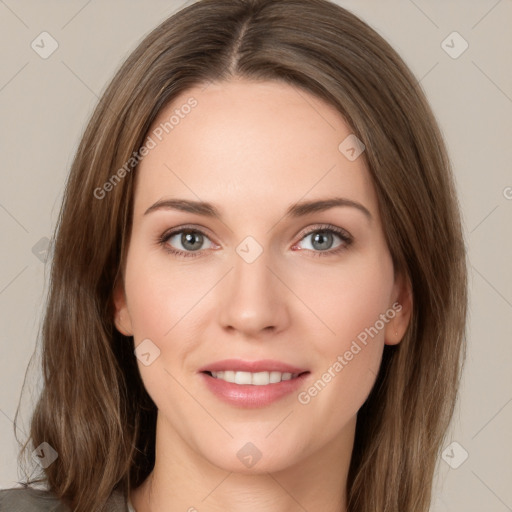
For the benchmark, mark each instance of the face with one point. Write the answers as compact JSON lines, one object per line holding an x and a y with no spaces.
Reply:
{"x":257,"y":255}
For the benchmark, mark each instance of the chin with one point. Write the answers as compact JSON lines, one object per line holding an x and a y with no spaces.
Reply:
{"x":254,"y":455}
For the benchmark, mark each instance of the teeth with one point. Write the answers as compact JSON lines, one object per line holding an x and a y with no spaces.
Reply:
{"x":259,"y":379}
{"x":275,"y":377}
{"x":256,"y":379}
{"x":243,"y":378}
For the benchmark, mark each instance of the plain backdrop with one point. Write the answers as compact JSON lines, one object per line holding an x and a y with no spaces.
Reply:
{"x":45,"y":103}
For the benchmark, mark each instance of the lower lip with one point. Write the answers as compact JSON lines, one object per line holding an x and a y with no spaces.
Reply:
{"x":250,"y":396}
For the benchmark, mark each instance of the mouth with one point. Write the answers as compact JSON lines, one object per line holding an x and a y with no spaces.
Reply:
{"x":250,"y":384}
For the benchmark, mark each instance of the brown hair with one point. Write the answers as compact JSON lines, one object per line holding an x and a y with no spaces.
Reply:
{"x":94,"y":410}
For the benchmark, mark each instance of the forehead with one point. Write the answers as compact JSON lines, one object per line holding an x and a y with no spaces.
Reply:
{"x":250,"y":145}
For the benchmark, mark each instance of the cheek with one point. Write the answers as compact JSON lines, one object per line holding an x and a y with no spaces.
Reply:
{"x":158,"y":302}
{"x":160,"y":295}
{"x":348,"y":298}
{"x":354,"y":303}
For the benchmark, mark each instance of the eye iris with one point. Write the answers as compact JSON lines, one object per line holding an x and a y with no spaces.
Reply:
{"x":191,"y":240}
{"x":323,"y":238}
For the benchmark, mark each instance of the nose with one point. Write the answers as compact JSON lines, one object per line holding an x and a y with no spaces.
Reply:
{"x":253,"y":301}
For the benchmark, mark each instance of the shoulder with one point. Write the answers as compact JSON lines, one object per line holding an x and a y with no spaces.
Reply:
{"x":28,"y":499}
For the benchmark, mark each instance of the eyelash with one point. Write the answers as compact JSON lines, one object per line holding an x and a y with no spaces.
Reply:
{"x":324,"y":228}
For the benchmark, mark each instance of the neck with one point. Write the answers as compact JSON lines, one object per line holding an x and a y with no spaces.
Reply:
{"x":183,"y":480}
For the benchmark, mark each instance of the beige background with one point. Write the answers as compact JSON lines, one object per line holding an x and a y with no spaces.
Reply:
{"x":45,"y":103}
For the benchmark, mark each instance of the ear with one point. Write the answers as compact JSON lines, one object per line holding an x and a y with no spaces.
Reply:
{"x":122,"y":319}
{"x":401,"y":305}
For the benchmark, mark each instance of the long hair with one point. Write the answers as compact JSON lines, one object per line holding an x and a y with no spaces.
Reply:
{"x":93,"y":409}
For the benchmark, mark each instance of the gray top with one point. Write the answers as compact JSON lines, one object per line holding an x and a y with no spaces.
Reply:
{"x":32,"y":500}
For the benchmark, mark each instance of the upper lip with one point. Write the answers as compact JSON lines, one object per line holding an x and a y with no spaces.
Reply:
{"x":238,"y":365}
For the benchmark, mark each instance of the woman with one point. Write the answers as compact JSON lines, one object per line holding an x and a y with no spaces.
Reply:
{"x":258,"y":289}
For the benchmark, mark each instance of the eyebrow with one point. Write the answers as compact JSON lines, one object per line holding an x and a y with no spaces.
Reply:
{"x":298,"y":209}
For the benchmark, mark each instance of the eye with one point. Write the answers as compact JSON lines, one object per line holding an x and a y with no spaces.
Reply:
{"x":322,"y":240}
{"x":188,"y":242}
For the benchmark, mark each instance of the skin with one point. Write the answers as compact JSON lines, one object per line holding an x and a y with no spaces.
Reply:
{"x":253,"y":149}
